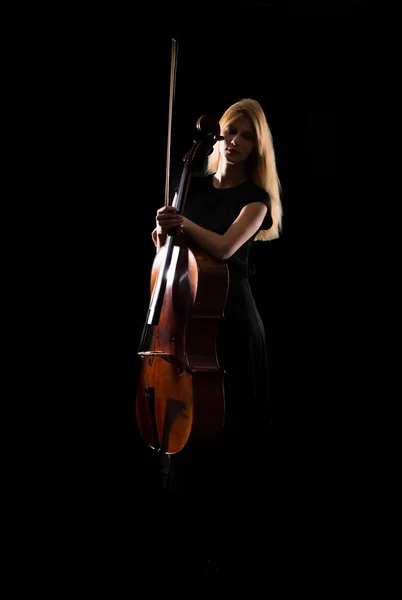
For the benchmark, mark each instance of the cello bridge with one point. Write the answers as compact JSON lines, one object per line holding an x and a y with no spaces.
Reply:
{"x":179,"y":364}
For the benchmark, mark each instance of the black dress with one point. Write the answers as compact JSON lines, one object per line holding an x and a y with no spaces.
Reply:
{"x":206,"y":490}
{"x":242,"y":352}
{"x":241,"y":337}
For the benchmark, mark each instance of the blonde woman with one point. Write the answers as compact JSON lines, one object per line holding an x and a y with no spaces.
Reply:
{"x":235,"y":204}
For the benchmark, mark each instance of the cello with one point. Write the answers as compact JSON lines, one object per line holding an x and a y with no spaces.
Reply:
{"x":180,"y":393}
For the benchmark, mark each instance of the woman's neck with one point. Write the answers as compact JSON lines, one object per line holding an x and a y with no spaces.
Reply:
{"x":229,"y":177}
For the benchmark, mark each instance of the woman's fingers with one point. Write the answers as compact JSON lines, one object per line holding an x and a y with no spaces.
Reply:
{"x":168,"y":217}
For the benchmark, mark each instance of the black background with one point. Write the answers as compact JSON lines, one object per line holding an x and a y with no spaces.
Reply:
{"x":308,"y":67}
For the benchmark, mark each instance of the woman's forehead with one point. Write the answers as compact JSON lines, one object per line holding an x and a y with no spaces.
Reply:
{"x":242,"y":122}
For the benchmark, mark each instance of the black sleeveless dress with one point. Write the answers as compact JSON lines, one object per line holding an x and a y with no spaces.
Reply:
{"x":241,"y":338}
{"x":216,"y":497}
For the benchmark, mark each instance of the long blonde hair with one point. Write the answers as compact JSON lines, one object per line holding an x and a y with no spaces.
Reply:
{"x":261,"y":164}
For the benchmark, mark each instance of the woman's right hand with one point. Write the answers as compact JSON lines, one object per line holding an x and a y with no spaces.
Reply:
{"x":167,"y":217}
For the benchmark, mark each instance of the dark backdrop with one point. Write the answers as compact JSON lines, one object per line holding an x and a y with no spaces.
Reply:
{"x":308,"y":68}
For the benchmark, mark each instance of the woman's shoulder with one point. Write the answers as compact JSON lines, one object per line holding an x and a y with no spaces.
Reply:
{"x":257,"y":193}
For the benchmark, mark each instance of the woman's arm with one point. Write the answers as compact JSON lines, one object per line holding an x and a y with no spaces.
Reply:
{"x":224,"y":246}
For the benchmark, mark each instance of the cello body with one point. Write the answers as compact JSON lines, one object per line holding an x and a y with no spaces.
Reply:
{"x":180,"y":395}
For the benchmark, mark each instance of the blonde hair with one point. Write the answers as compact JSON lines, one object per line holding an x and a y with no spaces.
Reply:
{"x":261,"y":164}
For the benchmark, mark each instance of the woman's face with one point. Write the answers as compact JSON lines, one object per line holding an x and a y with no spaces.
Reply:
{"x":238,"y":142}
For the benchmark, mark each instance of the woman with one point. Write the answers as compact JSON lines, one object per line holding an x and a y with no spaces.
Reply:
{"x":234,"y":204}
